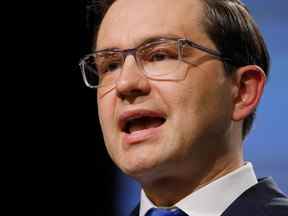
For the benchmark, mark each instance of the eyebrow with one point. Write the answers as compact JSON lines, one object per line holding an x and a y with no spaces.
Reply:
{"x":142,"y":41}
{"x":157,"y":38}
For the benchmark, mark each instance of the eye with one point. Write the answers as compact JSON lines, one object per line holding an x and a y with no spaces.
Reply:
{"x":112,"y":66}
{"x":161,"y":55}
{"x":108,"y":62}
{"x":109,"y":66}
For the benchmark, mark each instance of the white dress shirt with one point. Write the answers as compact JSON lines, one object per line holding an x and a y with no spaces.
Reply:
{"x":214,"y":198}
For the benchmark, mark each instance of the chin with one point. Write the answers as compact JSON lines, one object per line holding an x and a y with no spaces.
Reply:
{"x":138,"y":167}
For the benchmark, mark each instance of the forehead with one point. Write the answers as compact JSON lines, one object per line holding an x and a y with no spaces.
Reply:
{"x":129,"y":22}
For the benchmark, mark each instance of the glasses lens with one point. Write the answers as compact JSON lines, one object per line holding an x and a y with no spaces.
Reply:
{"x":102,"y":68}
{"x":160,"y":60}
{"x":188,"y":54}
{"x":88,"y":67}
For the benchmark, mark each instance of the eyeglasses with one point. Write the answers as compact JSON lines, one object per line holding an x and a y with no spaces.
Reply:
{"x":157,"y":59}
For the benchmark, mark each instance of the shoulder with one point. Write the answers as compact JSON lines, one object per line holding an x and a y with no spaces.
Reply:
{"x":277,"y":206}
{"x":275,"y":202}
{"x":263,"y":199}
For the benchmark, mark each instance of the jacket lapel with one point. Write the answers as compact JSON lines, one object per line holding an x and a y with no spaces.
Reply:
{"x":255,"y":200}
{"x":135,"y":211}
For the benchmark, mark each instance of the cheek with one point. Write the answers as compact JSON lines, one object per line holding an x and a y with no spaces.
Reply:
{"x":212,"y":106}
{"x":101,"y":112}
{"x":200,"y":102}
{"x":106,"y":118}
{"x":206,"y":88}
{"x":106,"y":108}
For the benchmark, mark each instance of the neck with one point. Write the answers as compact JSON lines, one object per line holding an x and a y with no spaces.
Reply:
{"x":167,"y":191}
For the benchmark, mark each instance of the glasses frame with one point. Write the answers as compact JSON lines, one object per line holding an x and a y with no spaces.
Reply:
{"x":133,"y":51}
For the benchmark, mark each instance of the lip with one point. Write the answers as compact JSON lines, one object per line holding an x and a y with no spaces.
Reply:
{"x":142,"y":135}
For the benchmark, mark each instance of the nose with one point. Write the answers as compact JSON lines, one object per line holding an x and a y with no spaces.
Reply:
{"x":131,"y":82}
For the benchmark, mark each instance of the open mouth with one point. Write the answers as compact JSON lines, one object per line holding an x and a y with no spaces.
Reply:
{"x":138,"y":121}
{"x":143,"y":123}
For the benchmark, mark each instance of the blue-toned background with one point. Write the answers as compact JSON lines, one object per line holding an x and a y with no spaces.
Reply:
{"x":267,"y":145}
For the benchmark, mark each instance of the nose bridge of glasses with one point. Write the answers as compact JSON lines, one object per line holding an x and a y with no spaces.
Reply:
{"x":132,"y":53}
{"x":130,"y":81}
{"x":128,"y":52}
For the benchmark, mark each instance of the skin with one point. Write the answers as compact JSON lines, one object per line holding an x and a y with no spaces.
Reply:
{"x":201,"y":138}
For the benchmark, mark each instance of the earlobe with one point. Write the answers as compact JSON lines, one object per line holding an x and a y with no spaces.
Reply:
{"x":249,"y":82}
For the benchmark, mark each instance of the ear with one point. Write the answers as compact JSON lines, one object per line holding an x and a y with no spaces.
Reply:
{"x":249,"y":86}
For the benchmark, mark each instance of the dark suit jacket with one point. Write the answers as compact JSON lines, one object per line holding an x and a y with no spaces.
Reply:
{"x":263,"y":199}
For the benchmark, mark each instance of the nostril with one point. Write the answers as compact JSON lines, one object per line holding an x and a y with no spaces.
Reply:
{"x":129,"y":87}
{"x":130,"y":95}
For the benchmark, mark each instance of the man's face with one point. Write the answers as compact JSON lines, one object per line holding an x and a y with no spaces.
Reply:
{"x":195,"y":112}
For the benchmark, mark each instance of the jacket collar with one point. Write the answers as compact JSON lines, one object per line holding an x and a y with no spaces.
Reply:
{"x":257,"y":200}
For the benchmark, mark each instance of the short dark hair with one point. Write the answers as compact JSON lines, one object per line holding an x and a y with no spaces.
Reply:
{"x":95,"y":11}
{"x":229,"y":25}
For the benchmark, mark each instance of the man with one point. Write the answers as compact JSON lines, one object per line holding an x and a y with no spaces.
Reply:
{"x":178,"y":83}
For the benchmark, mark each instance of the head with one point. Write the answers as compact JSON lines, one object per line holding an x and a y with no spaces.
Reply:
{"x":206,"y":115}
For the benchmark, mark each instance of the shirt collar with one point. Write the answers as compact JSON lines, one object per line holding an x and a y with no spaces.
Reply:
{"x":214,"y":198}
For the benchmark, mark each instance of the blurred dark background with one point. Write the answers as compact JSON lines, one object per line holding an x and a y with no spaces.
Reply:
{"x":61,"y":164}
{"x":88,"y":165}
